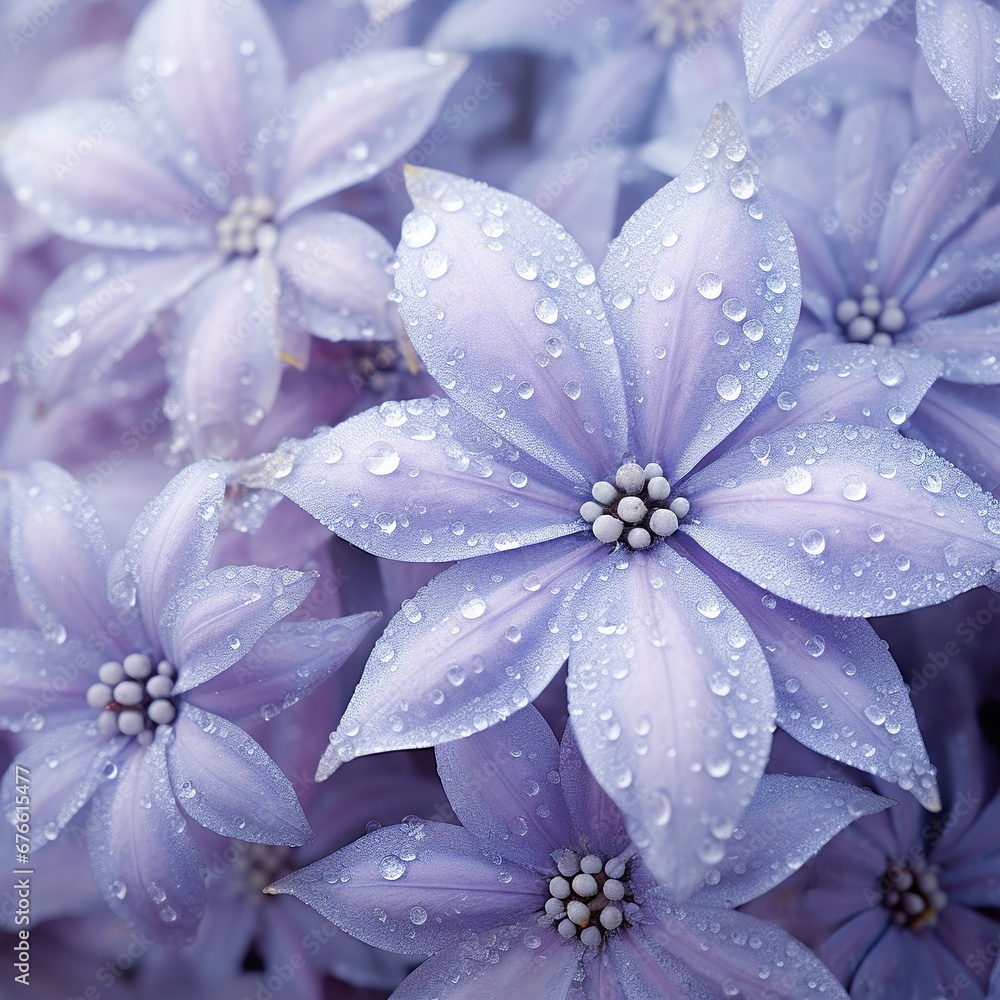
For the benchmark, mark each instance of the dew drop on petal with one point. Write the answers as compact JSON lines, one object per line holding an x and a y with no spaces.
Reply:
{"x":381,"y":458}
{"x":798,"y":480}
{"x":418,"y":230}
{"x":709,"y":285}
{"x":854,"y":488}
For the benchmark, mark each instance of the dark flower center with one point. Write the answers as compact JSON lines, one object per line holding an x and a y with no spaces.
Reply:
{"x":134,"y":697}
{"x":247,"y":227}
{"x":637,"y":505}
{"x":913,"y":894}
{"x":871,"y":319}
{"x":259,"y":865}
{"x":589,"y":897}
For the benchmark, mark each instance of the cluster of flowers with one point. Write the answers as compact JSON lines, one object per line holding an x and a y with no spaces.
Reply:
{"x":557,"y":384}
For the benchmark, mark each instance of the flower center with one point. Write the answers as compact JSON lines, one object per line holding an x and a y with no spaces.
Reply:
{"x":871,"y":320}
{"x":589,"y":897}
{"x":258,"y":865}
{"x":134,"y":697}
{"x":247,"y":228}
{"x":674,"y":21}
{"x":637,"y":504}
{"x":913,"y":894}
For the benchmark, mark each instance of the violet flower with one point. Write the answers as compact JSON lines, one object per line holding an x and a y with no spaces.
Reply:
{"x":192,"y":187}
{"x":541,"y":892}
{"x":579,"y":473}
{"x":131,"y":681}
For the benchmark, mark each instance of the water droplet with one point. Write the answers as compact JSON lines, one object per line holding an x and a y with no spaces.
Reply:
{"x":815,"y":645}
{"x":813,"y":542}
{"x":735,"y":310}
{"x":661,"y":286}
{"x":391,"y":868}
{"x":709,"y":285}
{"x":418,"y":230}
{"x":475,"y":607}
{"x":546,"y":310}
{"x":526,"y":269}
{"x":518,"y":480}
{"x":854,"y":488}
{"x":729,"y":387}
{"x":798,"y":480}
{"x":381,"y":458}
{"x":418,"y":915}
{"x":572,"y":389}
{"x":709,"y":607}
{"x":435,"y":263}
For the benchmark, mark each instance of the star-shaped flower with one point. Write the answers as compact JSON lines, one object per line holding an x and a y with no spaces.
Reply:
{"x":135,"y":677}
{"x":540,"y":891}
{"x":591,"y":474}
{"x":193,"y":185}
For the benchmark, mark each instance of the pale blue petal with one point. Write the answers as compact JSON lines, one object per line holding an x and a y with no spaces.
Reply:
{"x":503,"y":784}
{"x":702,"y":292}
{"x":850,"y":383}
{"x":783,"y":37}
{"x":787,"y":822}
{"x":170,"y":544}
{"x":224,"y":361}
{"x":210,"y":77}
{"x":479,"y":642}
{"x":285,"y":665}
{"x":422,"y":481}
{"x":334,"y":268}
{"x":224,"y":780}
{"x":711,"y":947}
{"x":60,"y":555}
{"x":671,"y":701}
{"x":107,"y":190}
{"x":502,"y":307}
{"x":213,"y":622}
{"x":97,"y":310}
{"x":145,"y":860}
{"x":431,"y":882}
{"x":65,"y":766}
{"x":353,"y":117}
{"x":961,"y":43}
{"x":837,"y":688}
{"x":845,"y":520}
{"x":967,"y":344}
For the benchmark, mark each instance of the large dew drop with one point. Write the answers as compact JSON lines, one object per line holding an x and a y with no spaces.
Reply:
{"x":381,"y":459}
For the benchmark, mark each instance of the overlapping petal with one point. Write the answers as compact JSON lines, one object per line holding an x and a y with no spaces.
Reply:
{"x":845,"y":520}
{"x":422,"y":481}
{"x":210,"y":76}
{"x":224,"y":780}
{"x":782,"y":37}
{"x":353,"y":117}
{"x":702,"y":292}
{"x":91,"y":172}
{"x":671,"y":702}
{"x":215,"y":621}
{"x":478,"y":643}
{"x":544,"y":373}
{"x":145,"y":861}
{"x":431,"y":881}
{"x":503,"y":784}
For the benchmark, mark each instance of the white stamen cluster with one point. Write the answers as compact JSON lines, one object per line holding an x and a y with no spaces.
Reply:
{"x":674,"y":21}
{"x":247,"y":227}
{"x":871,"y":321}
{"x":637,"y":504}
{"x":134,"y":697}
{"x":913,"y":894}
{"x":586,"y":899}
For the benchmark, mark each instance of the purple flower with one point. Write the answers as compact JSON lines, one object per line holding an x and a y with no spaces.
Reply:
{"x":192,"y":184}
{"x":959,"y":39}
{"x":131,"y":684}
{"x":584,"y":475}
{"x":541,"y":892}
{"x":897,"y":247}
{"x":908,"y":898}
